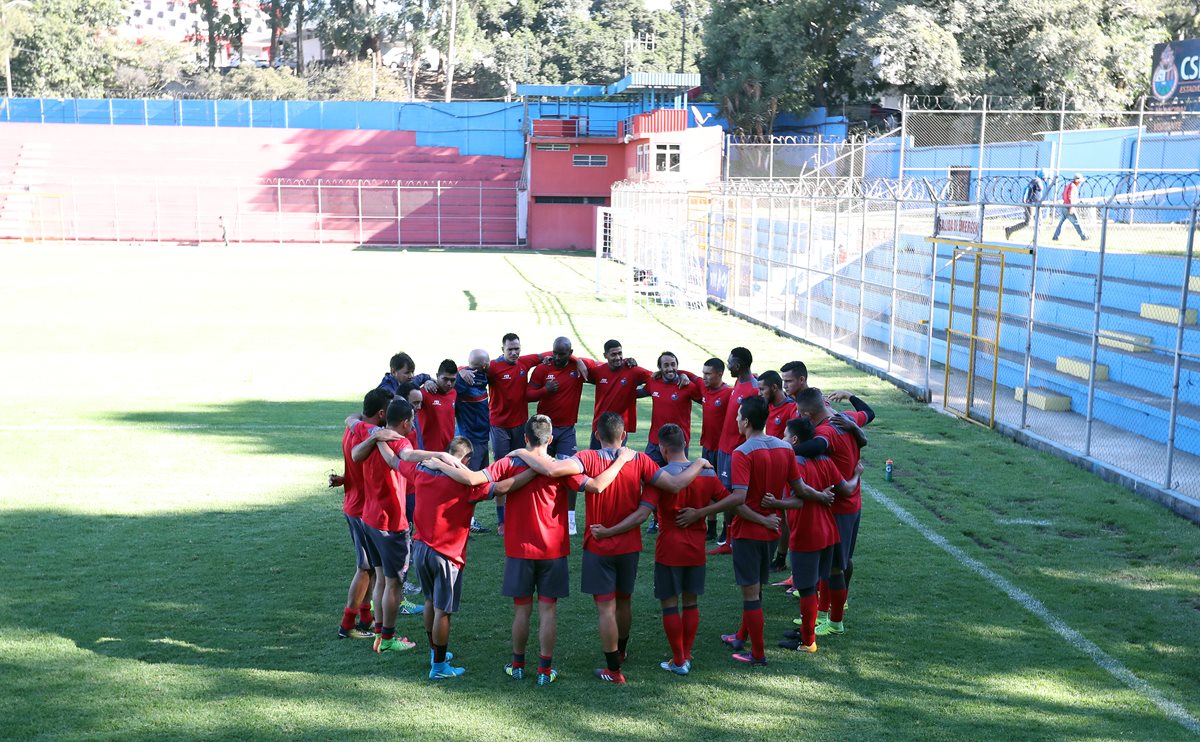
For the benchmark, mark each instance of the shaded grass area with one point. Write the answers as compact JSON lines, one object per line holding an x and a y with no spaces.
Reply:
{"x":177,"y":567}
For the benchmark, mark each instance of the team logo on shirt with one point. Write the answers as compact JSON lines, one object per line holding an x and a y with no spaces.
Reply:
{"x":674,"y":395}
{"x":654,"y":394}
{"x":437,"y":403}
{"x":506,"y":377}
{"x":602,"y":381}
{"x":624,"y":380}
{"x":777,"y":420}
{"x":717,"y":403}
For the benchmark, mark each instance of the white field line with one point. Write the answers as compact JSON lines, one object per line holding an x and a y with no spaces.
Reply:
{"x":93,"y":427}
{"x":1023,"y":522}
{"x":1173,"y":710}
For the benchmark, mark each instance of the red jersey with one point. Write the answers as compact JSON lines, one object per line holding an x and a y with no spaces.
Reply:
{"x":535,"y":516}
{"x":616,"y":391}
{"x":716,"y":401}
{"x":507,"y":406}
{"x":562,"y":406}
{"x":352,"y":474}
{"x":843,"y":449}
{"x":437,"y":419}
{"x":384,"y":490}
{"x":670,"y":404}
{"x":615,"y":503}
{"x":730,"y":437}
{"x":443,"y":517}
{"x":762,"y":464}
{"x":684,"y":547}
{"x":812,"y":527}
{"x":778,"y":416}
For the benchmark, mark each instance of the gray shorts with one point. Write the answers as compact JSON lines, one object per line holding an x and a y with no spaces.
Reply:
{"x":671,"y":581}
{"x":507,"y":439}
{"x":563,"y":445}
{"x":848,"y":529}
{"x":810,"y":567}
{"x":392,"y":547}
{"x":441,"y":579}
{"x":724,"y":467}
{"x":605,"y":575}
{"x":752,"y":561}
{"x":550,"y":578}
{"x":365,"y":554}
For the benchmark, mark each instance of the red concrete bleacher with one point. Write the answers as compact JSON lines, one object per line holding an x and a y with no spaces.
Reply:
{"x":261,"y":185}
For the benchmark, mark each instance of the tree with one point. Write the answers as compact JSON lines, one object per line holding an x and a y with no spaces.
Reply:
{"x":61,"y":54}
{"x":14,"y":24}
{"x":145,"y":68}
{"x":210,"y":17}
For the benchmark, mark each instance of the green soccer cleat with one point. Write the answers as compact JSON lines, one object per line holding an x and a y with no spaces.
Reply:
{"x":546,"y":678}
{"x":398,"y":644}
{"x":444,"y":671}
{"x":830,"y":628}
{"x":822,"y":616}
{"x":516,"y":673}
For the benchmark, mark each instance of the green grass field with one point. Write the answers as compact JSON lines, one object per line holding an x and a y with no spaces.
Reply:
{"x":173,"y":565}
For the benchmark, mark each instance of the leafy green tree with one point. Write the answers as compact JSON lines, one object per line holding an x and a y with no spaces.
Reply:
{"x":15,"y":22}
{"x":144,"y":69}
{"x":61,"y":53}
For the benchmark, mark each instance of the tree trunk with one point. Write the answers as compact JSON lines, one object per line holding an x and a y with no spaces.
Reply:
{"x":450,"y":50}
{"x":299,"y":37}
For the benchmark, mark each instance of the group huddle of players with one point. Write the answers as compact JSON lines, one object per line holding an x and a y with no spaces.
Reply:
{"x":776,"y":458}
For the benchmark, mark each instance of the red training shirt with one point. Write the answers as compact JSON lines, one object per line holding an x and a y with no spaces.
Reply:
{"x":437,"y":419}
{"x":684,"y":547}
{"x":778,"y":416}
{"x":670,"y":404}
{"x":843,"y":449}
{"x":615,"y":503}
{"x":812,"y":527}
{"x":535,"y":516}
{"x":562,"y":406}
{"x":443,"y":517}
{"x":352,"y":474}
{"x":384,"y":490}
{"x":507,"y":406}
{"x":762,"y":464}
{"x":715,"y":403}
{"x":730,"y":437}
{"x":616,"y":391}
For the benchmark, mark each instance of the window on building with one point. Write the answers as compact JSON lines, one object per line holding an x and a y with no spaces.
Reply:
{"x":643,"y":158}
{"x":666,"y":158}
{"x":552,"y":147}
{"x":585,"y":200}
{"x":589,"y":160}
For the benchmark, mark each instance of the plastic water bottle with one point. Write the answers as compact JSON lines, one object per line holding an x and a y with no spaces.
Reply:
{"x":887,"y":471}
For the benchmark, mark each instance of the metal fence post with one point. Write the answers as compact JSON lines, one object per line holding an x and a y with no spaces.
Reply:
{"x":1137,"y":157}
{"x":399,"y":214}
{"x":837,"y":207}
{"x":1096,"y":308}
{"x":982,"y":140}
{"x":1029,"y":322}
{"x":320,"y":216}
{"x":479,"y":185}
{"x":790,"y":252}
{"x":1183,"y":299}
{"x":769,"y":263}
{"x":903,"y":139}
{"x":439,"y":213}
{"x":933,"y":249}
{"x":279,"y":211}
{"x":1062,"y":125}
{"x":862,"y":276}
{"x":360,"y":212}
{"x":808,"y":282}
{"x":895,"y":285}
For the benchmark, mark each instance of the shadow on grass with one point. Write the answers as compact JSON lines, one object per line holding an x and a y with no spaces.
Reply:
{"x":260,"y":590}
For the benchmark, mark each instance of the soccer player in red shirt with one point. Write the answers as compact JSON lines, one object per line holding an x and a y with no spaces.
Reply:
{"x":813,"y":533}
{"x":612,"y":541}
{"x":745,"y":386}
{"x":780,"y":409}
{"x":356,"y":616}
{"x":617,"y":381}
{"x":384,"y":515}
{"x":716,"y":400}
{"x":557,"y":388}
{"x":679,"y":552}
{"x":844,"y":449}
{"x":508,"y":409}
{"x":671,"y":394}
{"x":437,"y":414}
{"x":444,"y":524}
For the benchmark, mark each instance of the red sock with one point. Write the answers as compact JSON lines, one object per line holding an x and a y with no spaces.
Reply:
{"x":364,"y":614}
{"x":752,"y":619}
{"x":349,"y":615}
{"x":741,"y":632}
{"x":673,"y":627}
{"x":691,"y":622}
{"x":808,"y":614}
{"x":839,"y":603}
{"x":823,"y":592}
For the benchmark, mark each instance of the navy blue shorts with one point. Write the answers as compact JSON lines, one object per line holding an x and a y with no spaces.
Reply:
{"x":479,"y":456}
{"x":709,"y":456}
{"x":602,"y":575}
{"x":724,"y":468}
{"x":810,"y":567}
{"x":672,"y":581}
{"x":848,"y":529}
{"x":393,"y":550}
{"x":563,"y":445}
{"x":549,"y":578}
{"x":441,"y":579}
{"x":365,"y":554}
{"x":507,"y":439}
{"x":752,"y":561}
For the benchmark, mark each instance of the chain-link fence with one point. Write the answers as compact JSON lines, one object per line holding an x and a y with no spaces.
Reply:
{"x":268,"y":211}
{"x":1077,"y":325}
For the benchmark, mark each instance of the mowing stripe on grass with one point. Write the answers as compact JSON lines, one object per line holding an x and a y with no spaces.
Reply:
{"x":164,"y":426}
{"x":1173,"y":710}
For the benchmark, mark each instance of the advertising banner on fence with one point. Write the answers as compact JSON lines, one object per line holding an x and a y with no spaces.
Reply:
{"x":1175,"y":85}
{"x":718,"y":281}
